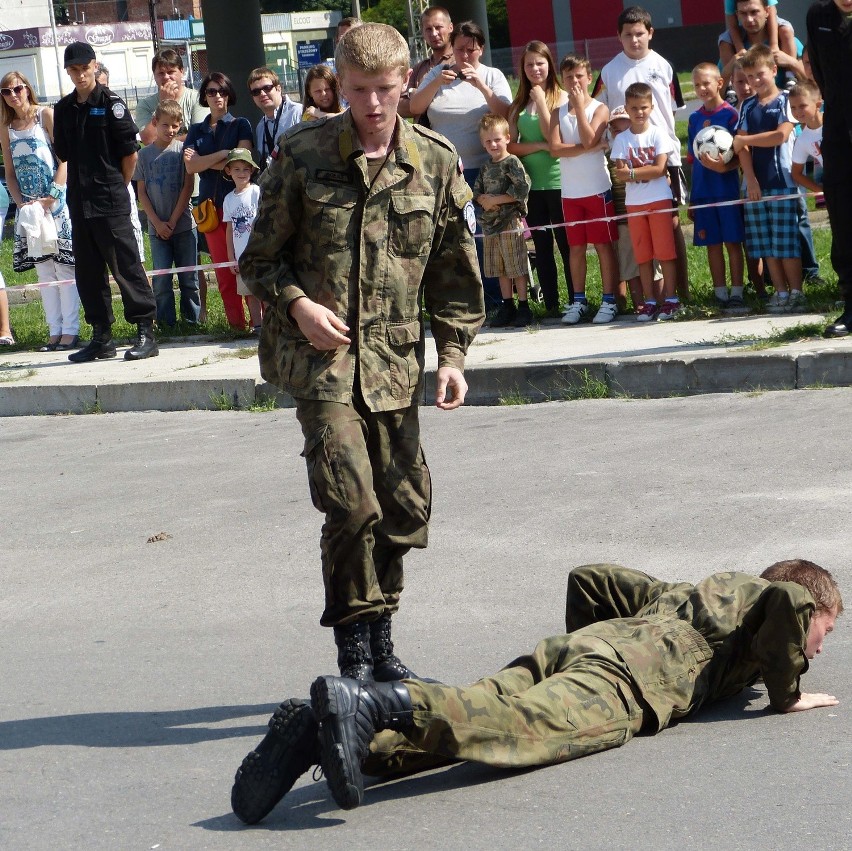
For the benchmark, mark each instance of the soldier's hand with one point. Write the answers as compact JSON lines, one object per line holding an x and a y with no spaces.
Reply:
{"x":812,"y":701}
{"x":452,"y":379}
{"x":322,"y":328}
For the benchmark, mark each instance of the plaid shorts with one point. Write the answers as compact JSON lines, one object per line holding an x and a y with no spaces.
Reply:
{"x":505,"y":254}
{"x":772,"y":227}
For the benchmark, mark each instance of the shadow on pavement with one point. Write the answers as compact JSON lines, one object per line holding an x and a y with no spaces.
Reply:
{"x":311,"y":807}
{"x":131,"y":729}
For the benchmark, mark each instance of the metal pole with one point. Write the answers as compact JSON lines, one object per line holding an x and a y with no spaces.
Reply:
{"x":59,"y":69}
{"x":155,"y":36}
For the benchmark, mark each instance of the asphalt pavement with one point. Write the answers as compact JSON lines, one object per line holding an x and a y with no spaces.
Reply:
{"x":161,"y":593}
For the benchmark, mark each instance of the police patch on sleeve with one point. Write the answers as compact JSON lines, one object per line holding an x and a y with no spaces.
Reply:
{"x":470,"y":217}
{"x":118,"y":110}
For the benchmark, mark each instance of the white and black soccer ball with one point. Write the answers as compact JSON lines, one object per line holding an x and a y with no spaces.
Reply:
{"x":714,"y":141}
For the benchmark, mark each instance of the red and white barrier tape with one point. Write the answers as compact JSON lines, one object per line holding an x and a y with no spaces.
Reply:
{"x":204,"y":267}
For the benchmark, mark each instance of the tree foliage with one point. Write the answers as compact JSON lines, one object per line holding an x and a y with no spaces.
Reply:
{"x":393,"y":12}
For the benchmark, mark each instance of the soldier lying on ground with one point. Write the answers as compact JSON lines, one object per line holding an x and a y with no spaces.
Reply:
{"x":638,"y":655}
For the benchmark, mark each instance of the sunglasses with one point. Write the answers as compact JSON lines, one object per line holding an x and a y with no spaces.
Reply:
{"x":265,"y":89}
{"x":212,"y":93}
{"x":14,"y":90}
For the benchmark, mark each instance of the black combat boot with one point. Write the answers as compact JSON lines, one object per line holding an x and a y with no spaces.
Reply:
{"x":353,"y":651}
{"x":268,"y":772}
{"x":145,"y":345}
{"x":99,"y":347}
{"x":842,"y":326}
{"x":350,"y":713}
{"x":386,"y":665}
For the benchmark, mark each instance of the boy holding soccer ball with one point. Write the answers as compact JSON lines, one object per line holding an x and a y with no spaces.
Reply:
{"x":715,"y":180}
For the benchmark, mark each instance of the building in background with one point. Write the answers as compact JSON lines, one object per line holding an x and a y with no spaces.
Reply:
{"x":123,"y":11}
{"x":126,"y":48}
{"x":685,"y":31}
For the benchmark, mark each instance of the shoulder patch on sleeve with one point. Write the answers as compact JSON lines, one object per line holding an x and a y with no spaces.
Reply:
{"x":118,"y":109}
{"x":470,"y":217}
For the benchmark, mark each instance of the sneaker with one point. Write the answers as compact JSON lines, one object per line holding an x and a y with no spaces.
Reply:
{"x":668,"y":310}
{"x":504,"y":316}
{"x":268,"y":773}
{"x":797,"y":301}
{"x":647,"y":313}
{"x":814,"y":278}
{"x":523,"y":316}
{"x":606,"y":313}
{"x":721,"y":303}
{"x":575,"y":313}
{"x":777,"y":304}
{"x":736,"y":305}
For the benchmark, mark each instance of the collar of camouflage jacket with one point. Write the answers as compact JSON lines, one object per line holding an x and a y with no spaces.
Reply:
{"x":405,"y":149}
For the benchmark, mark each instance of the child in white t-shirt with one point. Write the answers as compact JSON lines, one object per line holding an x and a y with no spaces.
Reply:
{"x":806,"y":106}
{"x":239,"y":210}
{"x":641,"y":158}
{"x":638,"y":63}
{"x":576,"y":138}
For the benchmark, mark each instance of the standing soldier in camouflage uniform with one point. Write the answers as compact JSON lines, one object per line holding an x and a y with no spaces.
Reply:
{"x":639,"y":655}
{"x":363,"y":218}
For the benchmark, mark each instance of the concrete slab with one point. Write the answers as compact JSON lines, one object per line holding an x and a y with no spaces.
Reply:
{"x":824,"y":369}
{"x":546,"y":362}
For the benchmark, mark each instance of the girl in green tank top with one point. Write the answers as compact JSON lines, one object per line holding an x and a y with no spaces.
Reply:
{"x":539,"y":94}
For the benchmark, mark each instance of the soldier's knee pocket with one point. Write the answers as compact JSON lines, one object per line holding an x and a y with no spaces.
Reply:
{"x":325,"y":487}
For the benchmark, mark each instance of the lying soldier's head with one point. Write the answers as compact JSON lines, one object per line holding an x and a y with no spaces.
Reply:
{"x":822,"y":587}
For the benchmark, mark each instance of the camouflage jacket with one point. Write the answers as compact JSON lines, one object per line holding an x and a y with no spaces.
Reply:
{"x":371,"y":254}
{"x":507,"y":177}
{"x":735,"y":628}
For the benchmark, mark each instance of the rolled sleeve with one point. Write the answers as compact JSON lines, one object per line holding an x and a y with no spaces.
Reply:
{"x":784,"y":611}
{"x":453,"y":288}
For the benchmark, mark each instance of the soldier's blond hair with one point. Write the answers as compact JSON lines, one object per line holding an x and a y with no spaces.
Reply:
{"x":812,"y":577}
{"x":372,"y":49}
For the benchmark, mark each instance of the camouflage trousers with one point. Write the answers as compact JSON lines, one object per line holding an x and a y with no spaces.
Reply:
{"x":572,"y":696}
{"x":367,"y":474}
{"x":599,"y":592}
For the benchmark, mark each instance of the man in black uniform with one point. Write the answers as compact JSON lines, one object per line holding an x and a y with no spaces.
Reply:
{"x":829,"y":24}
{"x":96,"y":136}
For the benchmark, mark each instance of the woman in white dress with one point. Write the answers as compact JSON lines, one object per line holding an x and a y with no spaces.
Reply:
{"x":33,"y":176}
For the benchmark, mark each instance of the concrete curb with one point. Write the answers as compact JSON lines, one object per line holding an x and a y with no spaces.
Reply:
{"x":660,"y":378}
{"x":489,"y":385}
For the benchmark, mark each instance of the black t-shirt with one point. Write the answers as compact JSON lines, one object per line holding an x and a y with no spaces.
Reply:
{"x":94,"y":137}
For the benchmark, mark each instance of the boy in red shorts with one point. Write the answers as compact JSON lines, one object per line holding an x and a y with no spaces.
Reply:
{"x":641,"y":160}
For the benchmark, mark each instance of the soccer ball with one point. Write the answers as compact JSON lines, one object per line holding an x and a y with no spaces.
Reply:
{"x":714,"y":141}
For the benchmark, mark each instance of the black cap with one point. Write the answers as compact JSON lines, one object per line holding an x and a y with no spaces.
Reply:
{"x":79,"y":53}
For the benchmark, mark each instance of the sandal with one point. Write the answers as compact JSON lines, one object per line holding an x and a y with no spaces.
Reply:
{"x":7,"y":341}
{"x":64,"y":347}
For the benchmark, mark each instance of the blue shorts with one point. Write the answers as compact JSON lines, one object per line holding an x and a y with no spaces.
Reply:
{"x":715,"y":225}
{"x":772,"y":227}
